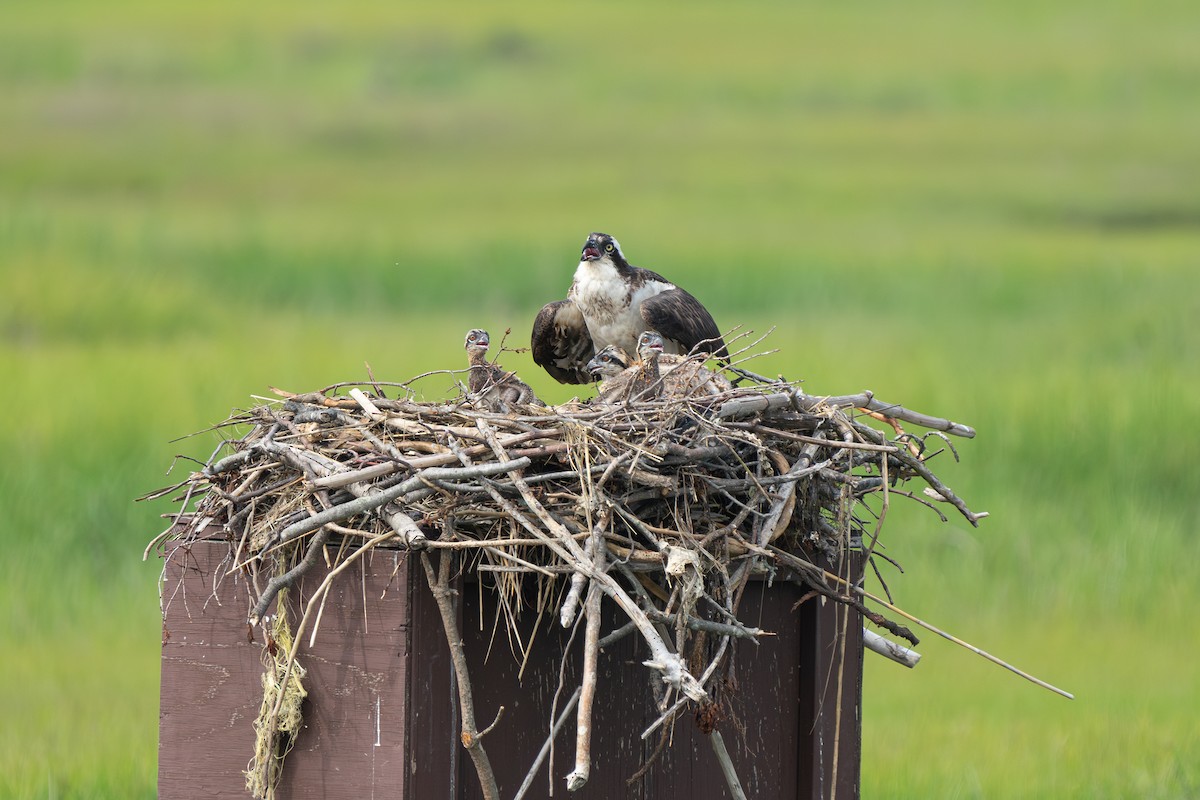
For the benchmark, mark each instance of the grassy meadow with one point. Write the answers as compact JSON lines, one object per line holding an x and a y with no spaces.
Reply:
{"x":983,"y":212}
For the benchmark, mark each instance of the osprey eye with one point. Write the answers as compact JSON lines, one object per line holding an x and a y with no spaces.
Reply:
{"x":608,"y":247}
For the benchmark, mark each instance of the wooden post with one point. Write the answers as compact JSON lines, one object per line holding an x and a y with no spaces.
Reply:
{"x":380,"y":719}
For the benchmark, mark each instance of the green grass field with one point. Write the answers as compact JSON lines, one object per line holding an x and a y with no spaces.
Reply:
{"x":985,"y":213}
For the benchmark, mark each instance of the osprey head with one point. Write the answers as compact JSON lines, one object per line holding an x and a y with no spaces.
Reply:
{"x":610,"y":361}
{"x":650,"y":343}
{"x":601,"y":245}
{"x":477,"y":339}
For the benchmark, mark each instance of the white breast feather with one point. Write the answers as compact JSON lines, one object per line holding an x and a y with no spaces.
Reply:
{"x":599,"y":292}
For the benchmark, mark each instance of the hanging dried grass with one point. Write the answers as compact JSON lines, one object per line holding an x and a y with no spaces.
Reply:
{"x":280,"y":715}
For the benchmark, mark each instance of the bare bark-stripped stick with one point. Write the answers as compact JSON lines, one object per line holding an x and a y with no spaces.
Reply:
{"x":583,"y":734}
{"x":541,"y":756}
{"x":566,"y":615}
{"x":372,"y":410}
{"x":727,"y":769}
{"x":471,"y":737}
{"x":890,"y":650}
{"x":591,"y":652}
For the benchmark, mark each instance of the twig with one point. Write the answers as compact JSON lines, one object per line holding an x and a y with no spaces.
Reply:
{"x":727,"y":769}
{"x":566,"y":615}
{"x":541,"y":756}
{"x":709,"y":626}
{"x":471,"y":737}
{"x":747,"y":406}
{"x":927,"y":626}
{"x":583,"y":738}
{"x":290,"y":577}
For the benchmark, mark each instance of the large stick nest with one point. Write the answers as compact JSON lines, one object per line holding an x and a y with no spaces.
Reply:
{"x":707,"y":490}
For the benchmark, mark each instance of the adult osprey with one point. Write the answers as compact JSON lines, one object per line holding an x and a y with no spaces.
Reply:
{"x":612,"y":302}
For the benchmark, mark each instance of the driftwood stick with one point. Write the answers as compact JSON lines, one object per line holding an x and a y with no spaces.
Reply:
{"x":471,"y":737}
{"x":541,"y":756}
{"x":591,"y":652}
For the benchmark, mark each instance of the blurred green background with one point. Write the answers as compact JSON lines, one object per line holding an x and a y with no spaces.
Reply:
{"x":985,"y":212}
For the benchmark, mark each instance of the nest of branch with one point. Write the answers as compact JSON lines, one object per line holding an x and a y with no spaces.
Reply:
{"x":702,"y":491}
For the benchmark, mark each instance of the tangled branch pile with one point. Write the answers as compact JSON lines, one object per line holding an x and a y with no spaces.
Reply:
{"x":708,"y":490}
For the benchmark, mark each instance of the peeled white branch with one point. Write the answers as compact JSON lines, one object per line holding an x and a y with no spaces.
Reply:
{"x":890,"y":650}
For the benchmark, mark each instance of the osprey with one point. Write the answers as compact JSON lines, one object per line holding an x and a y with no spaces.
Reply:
{"x":612,"y":302}
{"x":612,"y":369}
{"x":647,"y":384}
{"x":623,"y":380}
{"x":681,"y":377}
{"x":490,"y":384}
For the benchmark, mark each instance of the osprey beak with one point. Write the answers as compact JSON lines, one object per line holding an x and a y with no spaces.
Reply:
{"x":591,"y":251}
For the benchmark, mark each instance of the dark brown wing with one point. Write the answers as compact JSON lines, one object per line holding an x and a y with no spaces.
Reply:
{"x":680,"y":317}
{"x":561,"y":343}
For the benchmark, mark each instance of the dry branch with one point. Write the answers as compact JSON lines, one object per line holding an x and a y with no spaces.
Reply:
{"x":472,"y":737}
{"x":890,"y":650}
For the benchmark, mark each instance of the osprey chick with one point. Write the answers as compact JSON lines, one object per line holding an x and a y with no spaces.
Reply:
{"x":490,"y":384}
{"x":680,"y":376}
